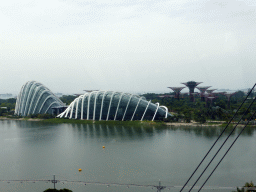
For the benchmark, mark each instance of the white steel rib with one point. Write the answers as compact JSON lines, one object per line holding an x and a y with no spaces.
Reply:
{"x":82,"y":107}
{"x":50,"y":96}
{"x":32,"y":101}
{"x":110,"y":103}
{"x":45,"y":91}
{"x":68,"y":110}
{"x":118,"y":105}
{"x":72,"y":108}
{"x":21,"y":101}
{"x":102,"y":102}
{"x":28,"y":99}
{"x":17,"y":106}
{"x":94,"y":109}
{"x":136,"y":108}
{"x":166,"y":110}
{"x":145,"y":110}
{"x":155,"y":111}
{"x":25,"y":99}
{"x":77,"y":107}
{"x":109,"y":107}
{"x":127,"y":107}
{"x":88,"y":106}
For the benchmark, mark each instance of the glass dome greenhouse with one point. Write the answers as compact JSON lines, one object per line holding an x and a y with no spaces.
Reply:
{"x":110,"y":105}
{"x":35,"y":98}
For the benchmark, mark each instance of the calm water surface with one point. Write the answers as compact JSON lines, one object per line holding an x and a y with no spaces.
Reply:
{"x":138,"y":155}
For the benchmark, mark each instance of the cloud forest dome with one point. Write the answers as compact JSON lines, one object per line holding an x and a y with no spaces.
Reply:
{"x":110,"y":105}
{"x":35,"y":98}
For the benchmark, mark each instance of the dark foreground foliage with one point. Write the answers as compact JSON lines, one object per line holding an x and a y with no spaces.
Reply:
{"x":56,"y":190}
{"x":248,"y":187}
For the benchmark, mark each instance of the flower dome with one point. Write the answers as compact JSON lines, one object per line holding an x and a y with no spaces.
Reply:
{"x":110,"y":105}
{"x":35,"y":98}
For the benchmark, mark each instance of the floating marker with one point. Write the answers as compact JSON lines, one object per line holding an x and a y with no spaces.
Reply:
{"x":79,"y":170}
{"x":103,"y":147}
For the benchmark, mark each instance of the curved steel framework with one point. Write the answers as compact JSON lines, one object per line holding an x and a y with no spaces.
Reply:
{"x":35,"y":98}
{"x":110,"y":105}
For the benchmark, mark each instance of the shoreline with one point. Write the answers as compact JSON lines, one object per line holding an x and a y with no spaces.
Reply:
{"x":192,"y":124}
{"x":21,"y":119}
{"x":171,"y":124}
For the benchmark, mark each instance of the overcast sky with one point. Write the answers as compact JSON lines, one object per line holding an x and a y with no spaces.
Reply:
{"x":127,"y":45}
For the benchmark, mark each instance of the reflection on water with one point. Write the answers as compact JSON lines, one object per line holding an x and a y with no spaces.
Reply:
{"x":97,"y":130}
{"x":211,"y":132}
{"x":133,"y":154}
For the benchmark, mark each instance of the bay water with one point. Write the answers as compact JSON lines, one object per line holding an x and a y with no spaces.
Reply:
{"x":142,"y":155}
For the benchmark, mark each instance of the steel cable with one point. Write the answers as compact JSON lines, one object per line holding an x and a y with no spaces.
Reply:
{"x":222,"y":144}
{"x":217,"y":138}
{"x":227,"y":150}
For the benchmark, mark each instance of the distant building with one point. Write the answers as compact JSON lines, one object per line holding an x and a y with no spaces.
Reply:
{"x":6,"y":96}
{"x":57,"y":110}
{"x":58,"y":94}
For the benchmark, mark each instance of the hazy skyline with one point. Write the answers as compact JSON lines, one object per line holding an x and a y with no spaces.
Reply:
{"x":130,"y":46}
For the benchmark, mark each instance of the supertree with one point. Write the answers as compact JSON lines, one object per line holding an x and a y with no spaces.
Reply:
{"x":202,"y":91}
{"x":211,"y":99}
{"x":177,"y":91}
{"x":210,"y":91}
{"x":191,"y":86}
{"x":194,"y":94}
{"x":182,"y":94}
{"x":229,"y":95}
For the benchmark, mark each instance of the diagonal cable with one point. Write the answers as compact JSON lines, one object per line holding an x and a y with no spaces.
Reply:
{"x":223,"y":144}
{"x":227,"y":151}
{"x":217,"y":138}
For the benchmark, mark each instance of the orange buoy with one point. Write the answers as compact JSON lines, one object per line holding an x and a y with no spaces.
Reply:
{"x":79,"y":170}
{"x":103,"y":147}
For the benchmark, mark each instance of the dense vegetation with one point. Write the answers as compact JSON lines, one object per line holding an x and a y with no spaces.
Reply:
{"x":246,"y":187}
{"x":7,"y":106}
{"x":184,"y":110}
{"x":67,"y":99}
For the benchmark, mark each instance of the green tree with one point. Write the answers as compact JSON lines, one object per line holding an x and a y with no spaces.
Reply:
{"x":67,"y":98}
{"x":199,"y":116}
{"x":221,"y":104}
{"x":245,"y":185}
{"x":249,"y":184}
{"x":187,"y":116}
